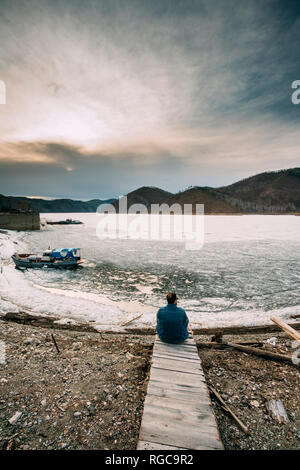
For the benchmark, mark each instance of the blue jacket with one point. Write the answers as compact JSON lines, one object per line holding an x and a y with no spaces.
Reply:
{"x":172,"y":322}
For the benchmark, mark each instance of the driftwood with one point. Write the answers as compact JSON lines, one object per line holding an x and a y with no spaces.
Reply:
{"x":239,"y":330}
{"x":217,"y":345}
{"x":277,"y":411}
{"x":287,"y":328}
{"x":57,"y":348}
{"x":131,"y":320}
{"x":27,"y":318}
{"x":247,"y":349}
{"x":261,"y":352}
{"x":226,"y":407}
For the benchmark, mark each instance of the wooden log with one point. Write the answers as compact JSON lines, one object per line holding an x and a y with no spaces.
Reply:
{"x":261,"y":352}
{"x":46,"y":322}
{"x":239,"y":330}
{"x":131,"y":320}
{"x":287,"y":328}
{"x":215,"y":345}
{"x":226,"y":407}
{"x":247,"y":349}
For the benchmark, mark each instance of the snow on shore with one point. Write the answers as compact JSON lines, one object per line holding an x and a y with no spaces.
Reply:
{"x":17,"y":293}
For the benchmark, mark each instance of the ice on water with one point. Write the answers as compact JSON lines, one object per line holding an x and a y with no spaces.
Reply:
{"x":247,"y":270}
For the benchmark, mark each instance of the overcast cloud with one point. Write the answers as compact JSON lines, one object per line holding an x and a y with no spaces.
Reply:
{"x":109,"y":95}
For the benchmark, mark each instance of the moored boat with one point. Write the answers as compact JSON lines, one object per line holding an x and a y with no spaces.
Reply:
{"x":65,"y":222}
{"x":64,"y":258}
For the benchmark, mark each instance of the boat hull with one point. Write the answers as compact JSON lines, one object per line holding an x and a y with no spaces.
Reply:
{"x":26,"y":264}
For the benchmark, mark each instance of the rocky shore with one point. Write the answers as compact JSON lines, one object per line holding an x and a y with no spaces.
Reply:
{"x":76,"y":389}
{"x":89,"y":395}
{"x":247,"y":383}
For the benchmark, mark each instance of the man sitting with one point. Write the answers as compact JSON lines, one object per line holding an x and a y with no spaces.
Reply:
{"x":172,"y":321}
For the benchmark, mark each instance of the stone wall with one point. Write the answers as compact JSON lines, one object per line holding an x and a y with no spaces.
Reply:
{"x":20,"y":221}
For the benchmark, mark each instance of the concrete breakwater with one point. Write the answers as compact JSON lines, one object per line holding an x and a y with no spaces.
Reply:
{"x":20,"y":221}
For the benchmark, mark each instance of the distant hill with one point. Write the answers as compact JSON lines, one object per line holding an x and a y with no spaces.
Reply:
{"x":213,"y":204}
{"x":14,"y":205}
{"x":269,"y":192}
{"x":145,"y":195}
{"x":54,"y":205}
{"x":276,"y":192}
{"x":212,"y":201}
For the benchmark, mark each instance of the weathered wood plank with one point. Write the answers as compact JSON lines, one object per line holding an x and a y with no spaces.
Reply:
{"x":181,"y":410}
{"x":181,"y":366}
{"x":287,"y":328}
{"x":176,"y":352}
{"x":193,"y":362}
{"x":181,"y":392}
{"x":144,"y":445}
{"x":177,"y":410}
{"x":167,"y":415}
{"x":185,"y":434}
{"x":189,"y":343}
{"x":175,"y":347}
{"x":177,"y":377}
{"x":202,"y":405}
{"x":191,"y":353}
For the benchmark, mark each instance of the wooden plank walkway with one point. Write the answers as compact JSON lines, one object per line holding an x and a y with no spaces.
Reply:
{"x":177,"y":411}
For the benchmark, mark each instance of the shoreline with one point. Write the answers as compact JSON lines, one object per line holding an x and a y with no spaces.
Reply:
{"x":99,"y":313}
{"x":58,"y":323}
{"x":210,"y":213}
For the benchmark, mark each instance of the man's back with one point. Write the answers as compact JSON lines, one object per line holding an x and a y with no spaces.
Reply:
{"x":172,"y":322}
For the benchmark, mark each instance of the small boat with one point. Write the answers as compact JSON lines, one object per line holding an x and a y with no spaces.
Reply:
{"x":62,"y":258}
{"x":65,"y":222}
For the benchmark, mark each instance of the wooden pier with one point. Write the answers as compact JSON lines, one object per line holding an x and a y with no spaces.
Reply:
{"x":177,"y":412}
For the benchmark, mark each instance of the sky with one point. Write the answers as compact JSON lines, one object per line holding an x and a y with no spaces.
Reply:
{"x":105,"y":96}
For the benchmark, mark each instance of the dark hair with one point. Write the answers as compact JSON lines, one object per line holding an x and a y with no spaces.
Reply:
{"x":171,"y":297}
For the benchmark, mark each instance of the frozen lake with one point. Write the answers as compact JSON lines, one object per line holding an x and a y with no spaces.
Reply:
{"x":247,"y":269}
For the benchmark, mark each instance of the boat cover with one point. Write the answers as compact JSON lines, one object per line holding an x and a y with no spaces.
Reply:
{"x":61,"y":253}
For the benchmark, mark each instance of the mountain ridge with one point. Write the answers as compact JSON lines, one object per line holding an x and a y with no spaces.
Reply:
{"x":271,"y":192}
{"x":11,"y":203}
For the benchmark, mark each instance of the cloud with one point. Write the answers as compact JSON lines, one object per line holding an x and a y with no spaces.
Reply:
{"x":214,"y":157}
{"x":156,"y":87}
